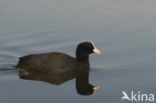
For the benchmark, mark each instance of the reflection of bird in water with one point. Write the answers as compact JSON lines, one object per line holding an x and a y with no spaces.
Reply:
{"x":51,"y":78}
{"x":82,"y":82}
{"x":58,"y":62}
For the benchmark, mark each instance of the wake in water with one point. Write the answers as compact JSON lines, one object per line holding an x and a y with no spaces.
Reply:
{"x":7,"y":65}
{"x":7,"y":69}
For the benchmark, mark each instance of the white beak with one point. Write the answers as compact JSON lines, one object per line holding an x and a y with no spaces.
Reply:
{"x":95,"y":50}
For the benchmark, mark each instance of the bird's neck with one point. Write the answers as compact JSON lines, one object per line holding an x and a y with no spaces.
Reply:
{"x":83,"y":57}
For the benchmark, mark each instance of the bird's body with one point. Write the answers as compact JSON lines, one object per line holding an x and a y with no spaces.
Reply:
{"x":57,"y":62}
{"x":48,"y":62}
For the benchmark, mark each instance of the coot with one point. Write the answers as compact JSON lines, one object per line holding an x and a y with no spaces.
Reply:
{"x":56,"y":62}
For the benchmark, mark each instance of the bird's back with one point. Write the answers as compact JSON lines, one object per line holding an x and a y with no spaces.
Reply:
{"x":48,"y":62}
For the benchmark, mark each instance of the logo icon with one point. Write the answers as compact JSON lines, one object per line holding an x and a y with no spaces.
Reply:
{"x":125,"y":96}
{"x":137,"y":97}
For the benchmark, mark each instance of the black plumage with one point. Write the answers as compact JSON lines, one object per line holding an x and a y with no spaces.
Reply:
{"x":58,"y":62}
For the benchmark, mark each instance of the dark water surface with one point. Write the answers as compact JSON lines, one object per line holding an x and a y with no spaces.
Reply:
{"x":124,"y":31}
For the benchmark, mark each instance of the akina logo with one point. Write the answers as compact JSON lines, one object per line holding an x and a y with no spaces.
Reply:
{"x":137,"y":97}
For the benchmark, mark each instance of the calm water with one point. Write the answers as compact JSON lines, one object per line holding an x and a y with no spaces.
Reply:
{"x":124,"y":31}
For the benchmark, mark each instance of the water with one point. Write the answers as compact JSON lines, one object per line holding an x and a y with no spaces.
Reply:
{"x":124,"y":31}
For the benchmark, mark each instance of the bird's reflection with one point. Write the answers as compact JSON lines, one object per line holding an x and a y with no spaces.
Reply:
{"x":83,"y":86}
